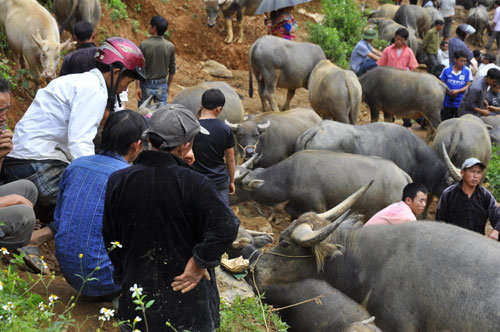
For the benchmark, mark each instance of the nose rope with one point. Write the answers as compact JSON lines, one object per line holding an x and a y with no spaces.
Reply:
{"x":248,"y":146}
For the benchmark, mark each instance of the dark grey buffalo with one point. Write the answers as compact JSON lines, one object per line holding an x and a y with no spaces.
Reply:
{"x":277,"y":62}
{"x":416,"y":276}
{"x":228,"y":9}
{"x":494,"y":135}
{"x":335,"y":93}
{"x":385,"y":11}
{"x":478,"y":18}
{"x":314,"y":180}
{"x":468,"y":4}
{"x":332,"y":312}
{"x":191,"y":98}
{"x":434,"y":15}
{"x":385,"y":140}
{"x":272,"y":135}
{"x":69,"y":12}
{"x":403,"y":93}
{"x":415,"y":17}
{"x":491,"y":120}
{"x":387,"y":29}
{"x":463,"y":138}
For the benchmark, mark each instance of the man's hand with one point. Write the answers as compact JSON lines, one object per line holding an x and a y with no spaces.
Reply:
{"x":138,"y":93}
{"x":232,"y":188}
{"x":5,"y":143}
{"x":190,"y":278}
{"x":454,"y":93}
{"x":14,"y":199}
{"x":494,"y":235}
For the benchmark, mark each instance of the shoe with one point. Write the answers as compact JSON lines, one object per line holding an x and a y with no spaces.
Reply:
{"x":33,"y":258}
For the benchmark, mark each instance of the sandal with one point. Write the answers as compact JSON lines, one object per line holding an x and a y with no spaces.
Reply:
{"x":33,"y":258}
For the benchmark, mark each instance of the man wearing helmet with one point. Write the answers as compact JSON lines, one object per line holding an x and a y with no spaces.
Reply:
{"x":62,"y":121}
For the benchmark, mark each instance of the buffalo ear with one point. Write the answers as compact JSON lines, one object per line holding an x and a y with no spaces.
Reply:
{"x":254,"y":184}
{"x":67,"y":45}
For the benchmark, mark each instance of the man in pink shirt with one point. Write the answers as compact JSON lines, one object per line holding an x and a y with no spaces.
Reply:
{"x":399,"y":55}
{"x":413,"y":204}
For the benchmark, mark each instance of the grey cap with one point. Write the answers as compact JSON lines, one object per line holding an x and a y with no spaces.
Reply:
{"x":490,"y":56}
{"x":175,"y":124}
{"x":468,"y":163}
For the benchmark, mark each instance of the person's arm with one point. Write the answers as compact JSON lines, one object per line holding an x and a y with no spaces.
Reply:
{"x":373,"y":56}
{"x":5,"y":144}
{"x":471,"y":102}
{"x":427,"y":39}
{"x":138,"y":91}
{"x":442,"y":208}
{"x":383,"y":58}
{"x":14,"y":199}
{"x":171,"y":70}
{"x":459,"y":91}
{"x":231,"y":168}
{"x":494,"y":216}
{"x":412,"y":61}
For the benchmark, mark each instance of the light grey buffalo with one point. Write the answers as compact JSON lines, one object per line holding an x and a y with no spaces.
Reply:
{"x":413,"y":277}
{"x":272,"y":135}
{"x":314,"y":180}
{"x":415,"y":17}
{"x":403,"y":93}
{"x":191,"y":98}
{"x":463,"y":138}
{"x":478,"y":18}
{"x":335,"y":93}
{"x":69,"y":12}
{"x":229,"y":8}
{"x":385,"y":11}
{"x":434,"y":15}
{"x":277,"y":62}
{"x":385,"y":140}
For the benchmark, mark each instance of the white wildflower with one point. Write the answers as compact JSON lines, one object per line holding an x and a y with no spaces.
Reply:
{"x":116,"y":244}
{"x":1,"y":285}
{"x":53,"y":298}
{"x":107,"y":313}
{"x":136,"y":291}
{"x":8,"y":307}
{"x":137,"y":319}
{"x":4,"y":251}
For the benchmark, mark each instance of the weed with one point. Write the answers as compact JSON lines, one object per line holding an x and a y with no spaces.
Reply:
{"x":493,"y":173}
{"x":137,"y":8}
{"x":118,"y":10}
{"x":135,"y":26}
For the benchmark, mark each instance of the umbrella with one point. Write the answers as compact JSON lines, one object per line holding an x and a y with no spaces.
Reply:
{"x":270,"y":5}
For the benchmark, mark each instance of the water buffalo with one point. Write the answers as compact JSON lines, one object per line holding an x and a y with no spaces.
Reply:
{"x":494,"y":135}
{"x":403,"y":93}
{"x":434,"y":15}
{"x":33,"y":35}
{"x":468,"y":4}
{"x":229,"y":8}
{"x":248,"y":238}
{"x":334,"y":92}
{"x":272,"y":135}
{"x":279,"y":62}
{"x":478,"y":18}
{"x":333,"y":312}
{"x":491,"y":120}
{"x":385,"y":140}
{"x":415,"y":17}
{"x":409,"y":276}
{"x":385,"y":11}
{"x":69,"y":12}
{"x":314,"y":180}
{"x":191,"y":98}
{"x":463,"y":138}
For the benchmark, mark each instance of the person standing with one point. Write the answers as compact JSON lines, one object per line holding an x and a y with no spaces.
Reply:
{"x":431,"y":45}
{"x":469,"y":205}
{"x":495,"y":27}
{"x":457,"y":43}
{"x":173,"y":227}
{"x":447,"y":9}
{"x":160,"y":63}
{"x":82,"y":59}
{"x":284,"y":24}
{"x":364,"y":57}
{"x":210,"y":150}
{"x":487,"y":62}
{"x":474,"y":101}
{"x":457,"y":78}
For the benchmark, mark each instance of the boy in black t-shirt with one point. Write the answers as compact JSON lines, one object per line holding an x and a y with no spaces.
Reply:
{"x":210,"y":150}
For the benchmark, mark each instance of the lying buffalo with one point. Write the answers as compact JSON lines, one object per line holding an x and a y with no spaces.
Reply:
{"x":463,"y":138}
{"x":332,"y":312}
{"x":272,"y":135}
{"x":314,"y":180}
{"x":403,"y":93}
{"x":385,"y":140}
{"x":416,"y":276}
{"x":415,"y":17}
{"x":277,"y":62}
{"x":334,"y":93}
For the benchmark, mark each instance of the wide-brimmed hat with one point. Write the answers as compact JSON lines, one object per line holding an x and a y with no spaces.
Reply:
{"x":468,"y":163}
{"x":175,"y":124}
{"x":369,"y":34}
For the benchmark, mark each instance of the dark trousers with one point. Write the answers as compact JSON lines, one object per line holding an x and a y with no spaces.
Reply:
{"x":368,"y":64}
{"x":448,"y":22}
{"x":449,"y":113}
{"x":495,"y":36}
{"x":432,"y":62}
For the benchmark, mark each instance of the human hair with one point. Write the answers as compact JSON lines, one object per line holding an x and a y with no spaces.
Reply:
{"x":212,"y":98}
{"x":121,"y":130}
{"x":83,"y":30}
{"x":444,"y":42}
{"x":497,"y":2}
{"x":156,"y":141}
{"x":160,"y":23}
{"x":476,"y":53}
{"x":459,"y":54}
{"x":439,"y":22}
{"x":4,"y":86}
{"x":104,"y":68}
{"x":493,"y":73}
{"x":461,"y":33}
{"x":402,"y":32}
{"x":412,"y":189}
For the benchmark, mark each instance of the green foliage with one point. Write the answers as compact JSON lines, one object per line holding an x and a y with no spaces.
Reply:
{"x":383,"y":2}
{"x":380,"y":44}
{"x":135,"y":26}
{"x":493,"y":173}
{"x":47,"y":4}
{"x":137,"y":8}
{"x":340,"y":30}
{"x":118,"y":10}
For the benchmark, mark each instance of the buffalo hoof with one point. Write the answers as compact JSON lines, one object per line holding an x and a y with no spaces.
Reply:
{"x":228,"y":40}
{"x":239,"y":40}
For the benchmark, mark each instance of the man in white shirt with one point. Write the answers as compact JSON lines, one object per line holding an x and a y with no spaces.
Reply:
{"x":495,"y":26}
{"x":448,"y":10}
{"x":488,"y":63}
{"x":62,"y":121}
{"x":443,"y":56}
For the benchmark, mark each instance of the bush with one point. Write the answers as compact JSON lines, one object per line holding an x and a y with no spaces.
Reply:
{"x":493,"y":173}
{"x":340,"y":30}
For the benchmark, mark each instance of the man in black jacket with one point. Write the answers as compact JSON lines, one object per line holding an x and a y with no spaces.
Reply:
{"x":173,"y":226}
{"x":82,"y":59}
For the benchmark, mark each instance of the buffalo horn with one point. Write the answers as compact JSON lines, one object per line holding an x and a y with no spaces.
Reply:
{"x":143,"y":109}
{"x":264,"y":125}
{"x":454,"y":172}
{"x":336,"y":211}
{"x":231,"y":125}
{"x":249,"y":163}
{"x":304,"y":236}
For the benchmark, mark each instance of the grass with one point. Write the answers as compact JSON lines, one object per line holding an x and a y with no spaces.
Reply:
{"x":493,"y":173}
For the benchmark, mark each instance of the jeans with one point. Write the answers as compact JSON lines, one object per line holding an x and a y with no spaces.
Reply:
{"x":368,"y":64}
{"x":448,"y":21}
{"x":157,"y":88}
{"x":495,"y":36}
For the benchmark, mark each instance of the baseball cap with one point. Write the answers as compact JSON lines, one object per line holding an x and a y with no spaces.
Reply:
{"x":468,"y":163}
{"x":490,"y":56}
{"x":175,"y":124}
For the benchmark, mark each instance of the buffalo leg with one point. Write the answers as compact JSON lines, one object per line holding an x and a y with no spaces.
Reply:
{"x":374,"y":113}
{"x":260,"y":82}
{"x":239,"y":23}
{"x":229,"y":27}
{"x":270,"y":80}
{"x":289,"y":95}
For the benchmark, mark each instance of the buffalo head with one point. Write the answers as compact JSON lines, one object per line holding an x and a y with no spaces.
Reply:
{"x":213,"y":8}
{"x":50,"y":52}
{"x":248,"y":136}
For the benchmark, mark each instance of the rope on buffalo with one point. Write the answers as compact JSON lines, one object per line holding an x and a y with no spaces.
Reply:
{"x":244,"y":149}
{"x":314,"y":299}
